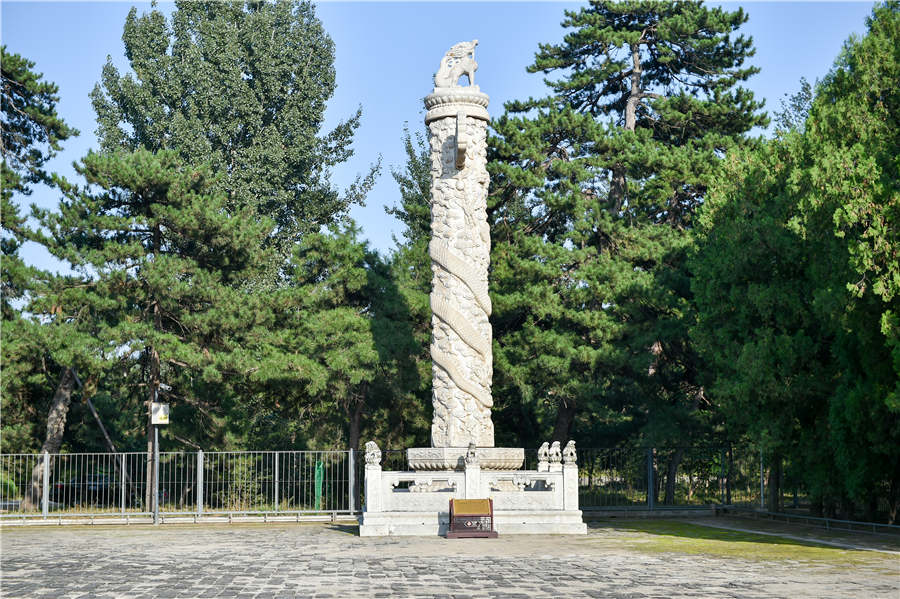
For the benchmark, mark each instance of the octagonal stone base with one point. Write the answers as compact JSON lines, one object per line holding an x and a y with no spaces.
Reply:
{"x":454,"y":458}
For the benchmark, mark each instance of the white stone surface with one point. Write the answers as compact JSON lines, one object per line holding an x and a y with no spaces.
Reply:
{"x":460,"y":250}
{"x":407,"y":503}
{"x":505,"y":523}
{"x":458,"y":61}
{"x":453,"y":458}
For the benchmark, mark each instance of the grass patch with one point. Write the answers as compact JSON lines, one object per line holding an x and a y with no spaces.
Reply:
{"x":669,"y":536}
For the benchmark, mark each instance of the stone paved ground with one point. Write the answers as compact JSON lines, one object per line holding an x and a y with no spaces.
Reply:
{"x":266,"y":561}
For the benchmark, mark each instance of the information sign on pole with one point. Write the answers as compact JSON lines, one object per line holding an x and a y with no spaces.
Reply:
{"x":159,"y":413}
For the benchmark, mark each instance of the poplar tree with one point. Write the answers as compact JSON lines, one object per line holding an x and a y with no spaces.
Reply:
{"x":242,"y":87}
{"x":595,"y":189}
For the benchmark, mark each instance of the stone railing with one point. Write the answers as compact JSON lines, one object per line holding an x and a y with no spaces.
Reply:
{"x":553,"y":487}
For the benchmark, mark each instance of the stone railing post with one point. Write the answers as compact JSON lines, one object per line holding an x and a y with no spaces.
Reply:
{"x":570,"y":477}
{"x":473,"y":475}
{"x":373,"y":484}
{"x":555,"y":458}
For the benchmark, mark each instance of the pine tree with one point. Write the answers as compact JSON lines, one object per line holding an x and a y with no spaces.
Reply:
{"x":31,"y":129}
{"x":346,"y":336}
{"x":31,"y":133}
{"x":595,"y":189}
{"x":242,"y":87}
{"x":159,"y":254}
{"x":410,"y":267}
{"x":34,"y":359}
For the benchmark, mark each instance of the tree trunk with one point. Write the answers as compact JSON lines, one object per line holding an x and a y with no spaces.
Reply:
{"x":893,"y":500}
{"x":618,"y":185}
{"x":56,"y":426}
{"x":355,"y":421}
{"x":617,"y":188}
{"x":153,"y":391}
{"x":635,"y":93}
{"x":729,"y":474}
{"x":773,"y":501}
{"x":565,"y":415}
{"x":120,"y":467}
{"x":671,"y":472}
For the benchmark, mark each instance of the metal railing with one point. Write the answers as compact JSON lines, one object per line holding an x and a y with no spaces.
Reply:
{"x":276,"y":484}
{"x":653,"y":478}
{"x":104,"y":485}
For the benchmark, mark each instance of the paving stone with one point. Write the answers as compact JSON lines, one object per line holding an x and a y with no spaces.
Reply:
{"x":276,"y":561}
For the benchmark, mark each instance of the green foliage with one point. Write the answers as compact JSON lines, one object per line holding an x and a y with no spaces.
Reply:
{"x":30,"y":130}
{"x":796,"y":283}
{"x":415,"y":190}
{"x":159,"y":254}
{"x":242,"y":87}
{"x":594,"y":194}
{"x":410,"y":271}
{"x":8,"y":487}
{"x":335,"y":339}
{"x":795,"y":109}
{"x":31,"y":133}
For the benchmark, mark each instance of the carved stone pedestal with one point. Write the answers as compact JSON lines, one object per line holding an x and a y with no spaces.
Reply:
{"x":543,"y":501}
{"x":454,"y":458}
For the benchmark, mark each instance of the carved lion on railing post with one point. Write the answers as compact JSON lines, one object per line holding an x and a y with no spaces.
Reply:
{"x":373,"y":454}
{"x":568,"y":453}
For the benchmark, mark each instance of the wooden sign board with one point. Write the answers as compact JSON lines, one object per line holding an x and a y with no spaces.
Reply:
{"x":471,"y":518}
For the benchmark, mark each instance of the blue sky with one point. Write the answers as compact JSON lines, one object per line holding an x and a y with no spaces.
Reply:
{"x":387,"y":53}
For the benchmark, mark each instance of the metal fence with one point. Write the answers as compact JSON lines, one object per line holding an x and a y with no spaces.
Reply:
{"x":59,"y":486}
{"x":273,"y":483}
{"x":659,"y":478}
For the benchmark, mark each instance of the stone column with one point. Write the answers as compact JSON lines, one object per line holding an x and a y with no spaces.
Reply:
{"x":460,"y":248}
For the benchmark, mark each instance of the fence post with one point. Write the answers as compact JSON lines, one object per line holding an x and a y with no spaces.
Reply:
{"x":155,"y":474}
{"x":122,"y":482}
{"x":45,"y":493}
{"x":199,"y":483}
{"x":276,"y":483}
{"x":722,"y":477}
{"x":729,"y":474}
{"x":351,"y":482}
{"x":762,"y":482}
{"x":651,"y":486}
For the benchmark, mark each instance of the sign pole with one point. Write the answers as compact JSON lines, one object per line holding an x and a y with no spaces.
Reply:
{"x":156,"y":474}
{"x":159,"y":414}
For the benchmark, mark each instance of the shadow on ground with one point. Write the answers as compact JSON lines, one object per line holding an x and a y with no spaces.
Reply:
{"x":347,"y":529}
